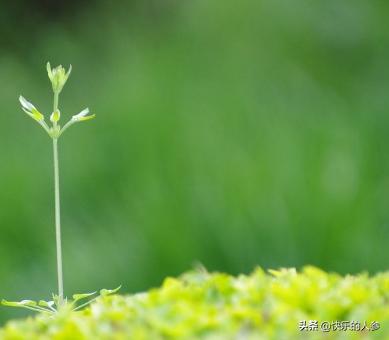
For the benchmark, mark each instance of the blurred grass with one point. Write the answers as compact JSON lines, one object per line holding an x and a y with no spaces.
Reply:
{"x":230,"y":135}
{"x":202,"y":305}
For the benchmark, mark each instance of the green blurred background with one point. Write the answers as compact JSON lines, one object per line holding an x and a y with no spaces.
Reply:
{"x":228,"y":133}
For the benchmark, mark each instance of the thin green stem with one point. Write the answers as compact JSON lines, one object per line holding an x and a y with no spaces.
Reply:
{"x":42,"y":309}
{"x":69,"y":123}
{"x":44,"y":125}
{"x":36,"y":309}
{"x":58,"y":222}
{"x":53,"y":309}
{"x":55,"y":104}
{"x":57,"y":210}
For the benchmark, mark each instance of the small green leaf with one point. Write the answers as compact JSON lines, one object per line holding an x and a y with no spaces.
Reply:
{"x":48,"y":304}
{"x":22,"y":303}
{"x":49,"y":72}
{"x":56,"y":299}
{"x":105,"y":292}
{"x":77,"y":297}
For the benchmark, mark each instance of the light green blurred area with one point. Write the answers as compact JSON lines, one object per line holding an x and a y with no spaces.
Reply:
{"x":231,"y":134}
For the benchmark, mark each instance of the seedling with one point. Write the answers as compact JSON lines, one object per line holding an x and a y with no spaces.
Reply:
{"x":58,"y":77}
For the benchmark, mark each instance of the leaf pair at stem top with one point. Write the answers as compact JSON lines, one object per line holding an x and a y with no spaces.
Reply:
{"x":58,"y":77}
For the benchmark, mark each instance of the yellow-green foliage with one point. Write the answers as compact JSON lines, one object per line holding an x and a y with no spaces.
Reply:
{"x":218,"y":306}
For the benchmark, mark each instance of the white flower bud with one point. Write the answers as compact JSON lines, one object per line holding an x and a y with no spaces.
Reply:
{"x":58,"y":76}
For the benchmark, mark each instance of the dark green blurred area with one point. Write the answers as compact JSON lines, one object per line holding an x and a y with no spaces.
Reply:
{"x":233,"y":134}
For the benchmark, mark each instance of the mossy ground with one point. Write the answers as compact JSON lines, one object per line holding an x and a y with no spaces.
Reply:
{"x":218,"y":306}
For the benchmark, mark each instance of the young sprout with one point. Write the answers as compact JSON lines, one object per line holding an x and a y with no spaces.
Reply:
{"x":58,"y":77}
{"x":54,"y":305}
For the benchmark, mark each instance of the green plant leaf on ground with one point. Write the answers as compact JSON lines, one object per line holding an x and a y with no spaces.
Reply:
{"x":54,"y":306}
{"x":78,"y":297}
{"x":105,"y":292}
{"x":204,"y":305}
{"x":22,"y":303}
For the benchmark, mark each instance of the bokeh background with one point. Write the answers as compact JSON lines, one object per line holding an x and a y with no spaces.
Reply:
{"x":232,"y":134}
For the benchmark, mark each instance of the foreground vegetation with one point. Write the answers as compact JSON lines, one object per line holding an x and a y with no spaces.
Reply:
{"x":273,"y":305}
